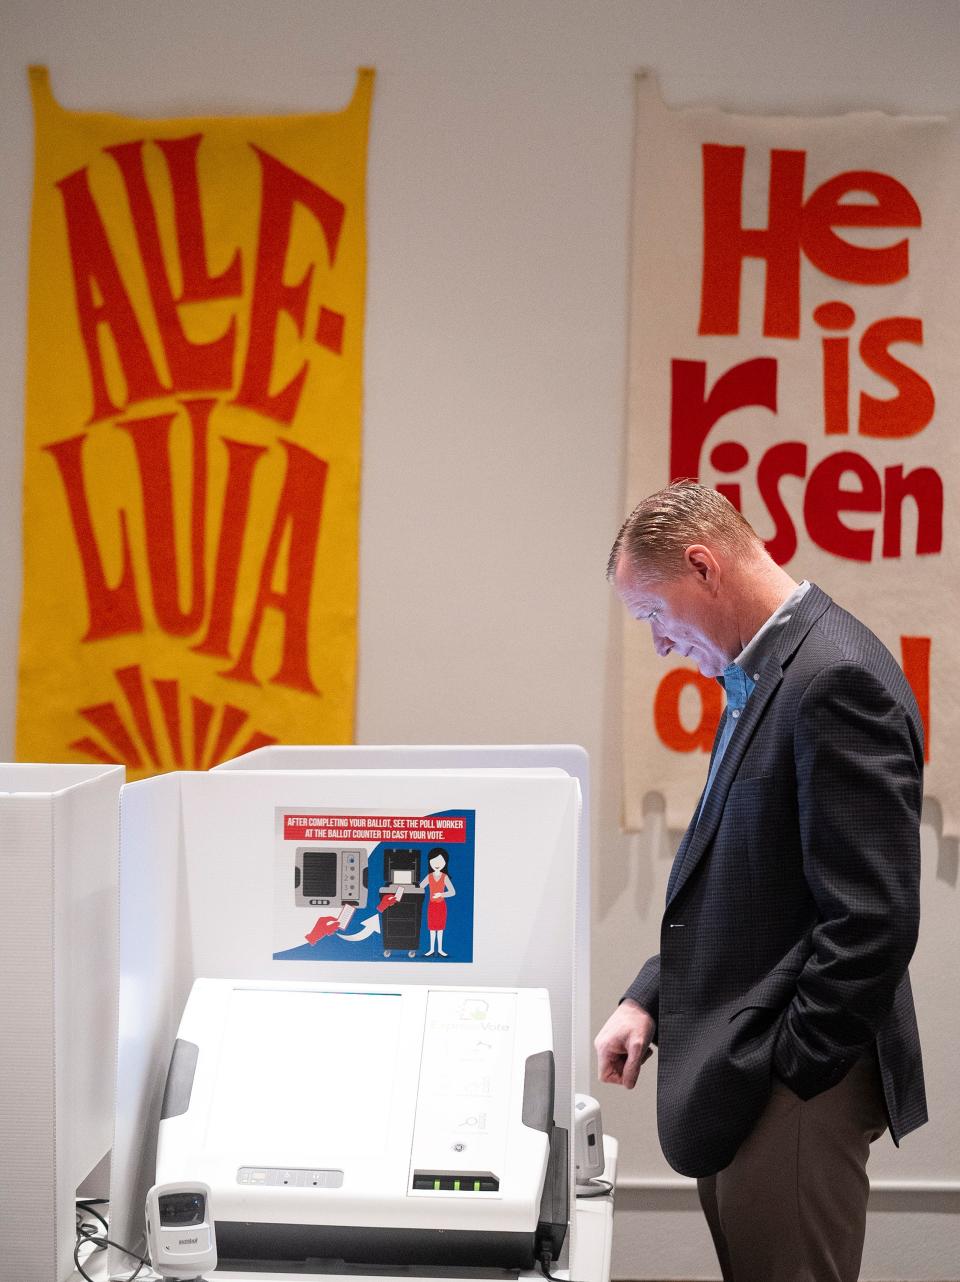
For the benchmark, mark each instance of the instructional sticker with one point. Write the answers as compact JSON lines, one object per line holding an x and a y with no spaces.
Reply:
{"x":368,"y":886}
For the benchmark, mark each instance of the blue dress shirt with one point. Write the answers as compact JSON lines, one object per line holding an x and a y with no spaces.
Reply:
{"x":738,"y":688}
{"x":740,"y":677}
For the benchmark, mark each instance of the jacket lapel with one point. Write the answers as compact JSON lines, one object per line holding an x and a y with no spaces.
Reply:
{"x":700,"y":833}
{"x":692,"y":826}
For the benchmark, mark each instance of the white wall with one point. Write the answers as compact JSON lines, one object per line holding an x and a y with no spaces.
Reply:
{"x":499,"y":180}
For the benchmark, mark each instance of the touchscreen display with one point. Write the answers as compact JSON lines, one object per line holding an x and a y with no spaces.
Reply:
{"x":304,"y":1078}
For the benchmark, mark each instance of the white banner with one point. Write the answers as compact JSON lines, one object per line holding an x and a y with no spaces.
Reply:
{"x":795,"y":336}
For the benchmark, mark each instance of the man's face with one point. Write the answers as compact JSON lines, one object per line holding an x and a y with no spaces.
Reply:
{"x":682,"y":613}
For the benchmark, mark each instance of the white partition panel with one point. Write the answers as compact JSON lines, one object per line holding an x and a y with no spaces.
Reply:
{"x":570,"y":758}
{"x":200,"y":899}
{"x":58,"y":1010}
{"x":154,"y":958}
{"x":524,"y":890}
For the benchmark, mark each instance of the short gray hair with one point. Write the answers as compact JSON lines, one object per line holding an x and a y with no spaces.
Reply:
{"x":660,"y":528}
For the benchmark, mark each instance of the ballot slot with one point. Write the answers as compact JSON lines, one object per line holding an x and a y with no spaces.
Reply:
{"x":456,"y":1181}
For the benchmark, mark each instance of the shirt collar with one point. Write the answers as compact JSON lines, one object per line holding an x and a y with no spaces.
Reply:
{"x":763,"y":642}
{"x":737,"y":685}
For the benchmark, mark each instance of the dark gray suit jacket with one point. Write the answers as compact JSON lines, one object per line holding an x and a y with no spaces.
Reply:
{"x":794,"y":907}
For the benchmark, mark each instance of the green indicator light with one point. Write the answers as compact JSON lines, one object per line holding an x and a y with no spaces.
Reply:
{"x":436,"y":1186}
{"x":456,"y":1186}
{"x":476,"y":1186}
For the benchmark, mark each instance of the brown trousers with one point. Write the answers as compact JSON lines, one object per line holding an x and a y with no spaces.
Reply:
{"x":792,"y":1205}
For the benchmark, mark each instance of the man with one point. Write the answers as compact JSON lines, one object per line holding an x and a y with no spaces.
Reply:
{"x":780,"y":1000}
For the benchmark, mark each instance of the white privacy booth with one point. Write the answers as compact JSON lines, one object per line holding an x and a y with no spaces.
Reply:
{"x":570,"y":758}
{"x":220,"y":882}
{"x":58,"y":960}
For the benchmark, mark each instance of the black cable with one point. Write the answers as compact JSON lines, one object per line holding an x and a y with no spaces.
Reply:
{"x":593,"y":1188}
{"x":89,"y":1234}
{"x":86,"y":1234}
{"x":88,"y":1206}
{"x":101,"y":1244}
{"x":546,"y":1259}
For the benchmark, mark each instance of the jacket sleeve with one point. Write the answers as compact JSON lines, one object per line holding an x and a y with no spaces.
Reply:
{"x":859,"y":791}
{"x":645,"y":989}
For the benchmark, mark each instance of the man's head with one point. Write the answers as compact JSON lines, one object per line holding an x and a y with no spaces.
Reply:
{"x":687,"y":562}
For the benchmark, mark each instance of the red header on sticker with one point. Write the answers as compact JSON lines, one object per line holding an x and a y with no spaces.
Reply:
{"x":397,"y":828}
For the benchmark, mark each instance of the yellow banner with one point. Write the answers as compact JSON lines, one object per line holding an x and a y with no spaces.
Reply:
{"x":192,"y":454}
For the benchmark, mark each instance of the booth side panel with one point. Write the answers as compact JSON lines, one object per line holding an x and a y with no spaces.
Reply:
{"x":150,"y":862}
{"x":37,"y":1244}
{"x":85,"y":874}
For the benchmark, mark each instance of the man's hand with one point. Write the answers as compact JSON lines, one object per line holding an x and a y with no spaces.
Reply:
{"x":623,"y":1044}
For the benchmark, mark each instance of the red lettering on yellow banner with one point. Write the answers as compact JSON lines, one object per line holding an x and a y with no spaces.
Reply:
{"x":300,"y":508}
{"x":112,"y":611}
{"x":104,"y":304}
{"x":96,"y":275}
{"x":151,"y":443}
{"x":284,"y":191}
{"x":195,"y":367}
{"x":197,"y":285}
{"x":193,"y":399}
{"x":104,"y":309}
{"x":242,"y":459}
{"x":115,"y":610}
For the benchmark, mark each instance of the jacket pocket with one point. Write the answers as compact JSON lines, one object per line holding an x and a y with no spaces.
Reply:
{"x":754,"y":781}
{"x":773,"y":992}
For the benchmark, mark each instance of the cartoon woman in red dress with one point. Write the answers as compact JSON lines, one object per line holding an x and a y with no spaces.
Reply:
{"x":439,"y":888}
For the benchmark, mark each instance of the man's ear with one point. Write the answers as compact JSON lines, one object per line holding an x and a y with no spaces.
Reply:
{"x":704,"y":564}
